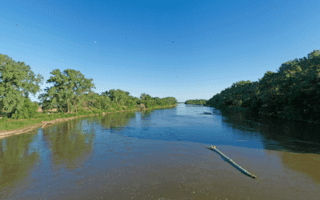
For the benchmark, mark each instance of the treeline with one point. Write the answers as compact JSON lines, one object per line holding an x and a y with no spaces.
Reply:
{"x":293,"y":92}
{"x":196,"y":101}
{"x":70,"y":92}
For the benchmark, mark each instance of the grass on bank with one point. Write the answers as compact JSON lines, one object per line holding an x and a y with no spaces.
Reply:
{"x":7,"y":124}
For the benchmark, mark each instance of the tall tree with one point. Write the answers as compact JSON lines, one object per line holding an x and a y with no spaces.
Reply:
{"x":145,"y":96}
{"x":67,"y":92}
{"x":16,"y":82}
{"x":105,"y":102}
{"x":117,"y":96}
{"x":314,"y":54}
{"x":92,"y":99}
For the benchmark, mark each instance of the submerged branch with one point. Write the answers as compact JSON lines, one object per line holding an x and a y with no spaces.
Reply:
{"x":232,"y":162}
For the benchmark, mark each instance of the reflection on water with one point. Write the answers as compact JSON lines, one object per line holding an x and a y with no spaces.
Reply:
{"x":185,"y":123}
{"x":81,"y":146}
{"x":16,"y":158}
{"x":69,"y":142}
{"x":117,"y":121}
{"x":277,"y":133}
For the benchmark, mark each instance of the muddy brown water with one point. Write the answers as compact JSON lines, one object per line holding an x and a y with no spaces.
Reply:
{"x":138,"y":155}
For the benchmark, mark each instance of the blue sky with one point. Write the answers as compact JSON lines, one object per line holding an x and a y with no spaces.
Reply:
{"x":184,"y":49}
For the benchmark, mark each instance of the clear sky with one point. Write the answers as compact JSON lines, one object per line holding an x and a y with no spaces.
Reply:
{"x":185,"y":49}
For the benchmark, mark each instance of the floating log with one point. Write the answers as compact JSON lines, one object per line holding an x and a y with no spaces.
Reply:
{"x":232,"y":162}
{"x":207,"y":113}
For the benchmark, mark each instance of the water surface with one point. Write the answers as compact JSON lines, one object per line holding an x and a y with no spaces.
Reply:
{"x":187,"y":123}
{"x":75,"y":155}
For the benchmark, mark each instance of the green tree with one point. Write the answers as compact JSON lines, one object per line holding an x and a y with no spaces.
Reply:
{"x":136,"y":100}
{"x":292,"y":92}
{"x":170,"y":100}
{"x":105,"y":102}
{"x":196,"y":101}
{"x":147,"y":103}
{"x":315,"y":54}
{"x":16,"y":82}
{"x":145,"y":96}
{"x":91,"y":100}
{"x":130,"y":104}
{"x":28,"y":110}
{"x":117,"y":96}
{"x":67,"y":92}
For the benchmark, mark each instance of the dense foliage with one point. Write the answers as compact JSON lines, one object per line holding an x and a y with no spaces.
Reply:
{"x":67,"y":92}
{"x":70,"y":93}
{"x":196,"y":101}
{"x":16,"y":82}
{"x":293,"y":92}
{"x":28,"y":110}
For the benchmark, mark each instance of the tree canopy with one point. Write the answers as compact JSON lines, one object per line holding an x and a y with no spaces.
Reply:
{"x":292,"y":92}
{"x":67,"y":92}
{"x":17,"y":80}
{"x":70,"y":92}
{"x":118,"y":96}
{"x":196,"y":101}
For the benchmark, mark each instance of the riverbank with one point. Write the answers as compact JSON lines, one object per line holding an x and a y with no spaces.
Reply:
{"x":37,"y":124}
{"x":131,"y":168}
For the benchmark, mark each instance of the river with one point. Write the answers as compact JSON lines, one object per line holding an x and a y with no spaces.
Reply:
{"x":141,"y":154}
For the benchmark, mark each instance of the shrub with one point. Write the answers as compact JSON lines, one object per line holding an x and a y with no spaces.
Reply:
{"x":148,"y":104}
{"x":96,"y":111}
{"x":27,"y":111}
{"x":82,"y":111}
